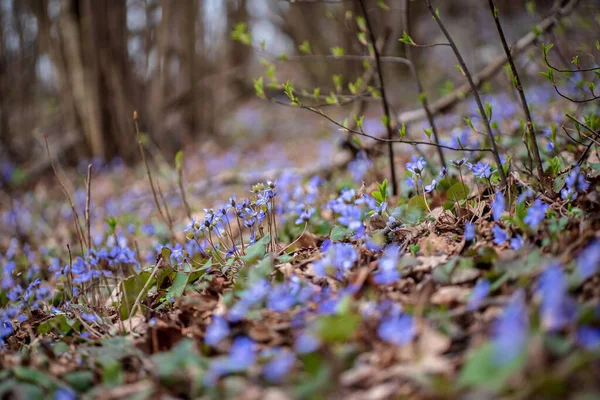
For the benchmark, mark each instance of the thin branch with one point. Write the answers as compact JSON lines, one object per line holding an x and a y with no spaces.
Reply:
{"x":587,"y":150}
{"x":376,"y":138}
{"x":448,"y":101}
{"x":567,"y":70}
{"x":420,"y":91}
{"x":564,"y":96}
{"x":530,"y":128}
{"x":463,"y":65}
{"x":386,"y":106}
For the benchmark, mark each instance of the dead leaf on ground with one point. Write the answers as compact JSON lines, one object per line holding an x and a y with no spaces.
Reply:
{"x":449,"y":295}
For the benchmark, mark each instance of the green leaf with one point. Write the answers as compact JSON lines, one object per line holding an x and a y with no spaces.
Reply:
{"x":402,"y":131}
{"x":406,"y":39}
{"x":40,"y":379}
{"x":458,"y":191}
{"x":338,"y":51}
{"x":482,"y":370}
{"x":339,"y":233}
{"x":178,"y":286}
{"x":257,"y":250}
{"x":80,"y":380}
{"x":179,"y":160}
{"x":558,"y":183}
{"x":305,"y":47}
{"x":259,"y":87}
{"x":337,"y":328}
{"x":58,"y":322}
{"x":130,"y":288}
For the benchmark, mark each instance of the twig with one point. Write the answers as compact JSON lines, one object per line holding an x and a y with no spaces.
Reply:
{"x":386,"y":106}
{"x":467,"y":74}
{"x":421,"y":93}
{"x":87,"y":206}
{"x":491,"y":69}
{"x":584,"y":155}
{"x":519,"y":87}
{"x":78,"y":228}
{"x":379,"y":139}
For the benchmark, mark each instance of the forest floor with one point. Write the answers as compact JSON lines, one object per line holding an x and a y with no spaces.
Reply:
{"x":230,"y":285}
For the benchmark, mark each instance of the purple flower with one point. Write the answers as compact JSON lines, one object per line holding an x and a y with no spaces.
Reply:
{"x":359,"y":166}
{"x":469,"y":231}
{"x":89,"y":317}
{"x":588,"y":337}
{"x":481,"y":170}
{"x":216,"y":331}
{"x":340,"y":257}
{"x":387,"y":272}
{"x":498,"y":206}
{"x":478,"y":294}
{"x":500,"y":235}
{"x":589,"y":260}
{"x":431,"y":187}
{"x":242,"y":352}
{"x":574,"y":183}
{"x":305,"y":216}
{"x":511,"y":329}
{"x":517,"y":242}
{"x":536,"y":213}
{"x":279,"y":366}
{"x":527,"y":194}
{"x":398,"y":330}
{"x":306,"y":343}
{"x":557,"y":308}
{"x":417,"y":165}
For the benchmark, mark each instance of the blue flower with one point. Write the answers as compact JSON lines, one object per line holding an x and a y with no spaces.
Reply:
{"x":243,"y":352}
{"x":511,"y":330}
{"x":417,"y":165}
{"x":527,"y":194}
{"x":469,"y":231}
{"x":306,"y":343}
{"x":478,"y":294}
{"x":279,"y":366}
{"x":359,"y":166}
{"x":589,"y":260}
{"x":216,"y":331}
{"x":340,"y":257}
{"x":536,"y":213}
{"x":500,"y":235}
{"x":305,"y":216}
{"x":65,"y":394}
{"x":517,"y":242}
{"x":387,"y":272}
{"x":89,"y":317}
{"x":588,"y":337}
{"x":498,"y":206}
{"x":557,"y":308}
{"x":574,"y":183}
{"x":481,"y":170}
{"x":431,"y":187}
{"x":398,"y":330}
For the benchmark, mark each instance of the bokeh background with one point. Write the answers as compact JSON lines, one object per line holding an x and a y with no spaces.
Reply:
{"x":75,"y":70}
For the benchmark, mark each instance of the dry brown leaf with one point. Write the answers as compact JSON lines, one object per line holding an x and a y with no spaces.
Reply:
{"x":448,"y":295}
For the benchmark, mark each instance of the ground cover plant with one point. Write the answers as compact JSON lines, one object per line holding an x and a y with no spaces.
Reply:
{"x":441,"y":256}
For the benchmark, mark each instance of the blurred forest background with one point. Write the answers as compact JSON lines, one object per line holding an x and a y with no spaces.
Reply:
{"x":76,"y":70}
